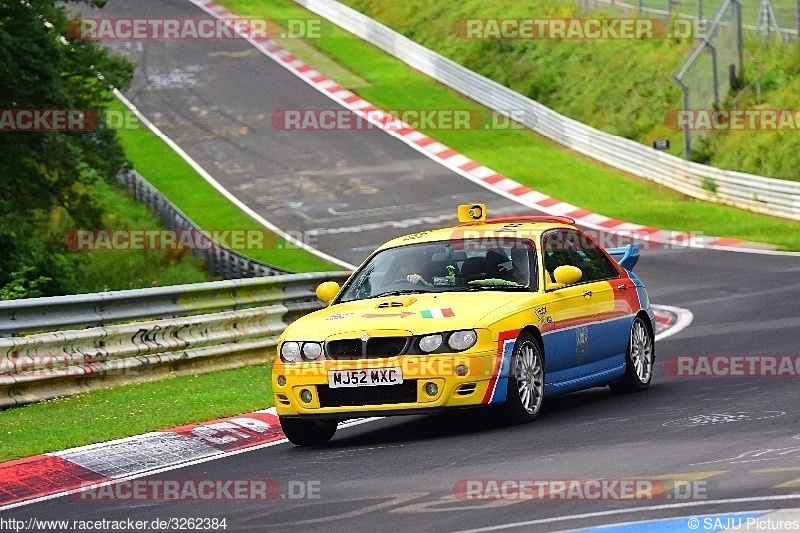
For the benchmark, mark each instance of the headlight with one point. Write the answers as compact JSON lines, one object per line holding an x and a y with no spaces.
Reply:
{"x":462,"y":340}
{"x":290,"y":352}
{"x":312,"y":351}
{"x":430,"y":343}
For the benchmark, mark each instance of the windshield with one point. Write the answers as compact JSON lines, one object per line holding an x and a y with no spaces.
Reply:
{"x":443,"y":267}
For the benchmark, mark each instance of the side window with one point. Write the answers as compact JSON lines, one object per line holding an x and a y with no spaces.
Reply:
{"x":595,"y":266}
{"x":568,"y":247}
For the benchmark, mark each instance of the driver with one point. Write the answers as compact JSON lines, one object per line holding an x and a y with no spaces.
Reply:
{"x":410,"y":268}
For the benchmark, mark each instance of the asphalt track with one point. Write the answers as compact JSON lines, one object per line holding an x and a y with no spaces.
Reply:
{"x":738,"y":437}
{"x":216,"y":99}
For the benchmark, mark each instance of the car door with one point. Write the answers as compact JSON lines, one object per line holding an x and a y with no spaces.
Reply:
{"x":613,"y":315}
{"x":569,"y":328}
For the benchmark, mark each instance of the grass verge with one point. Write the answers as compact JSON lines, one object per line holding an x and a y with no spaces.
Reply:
{"x":178,"y":181}
{"x":522,"y":155}
{"x":630,"y":93}
{"x":104,"y":270}
{"x":127,"y":410}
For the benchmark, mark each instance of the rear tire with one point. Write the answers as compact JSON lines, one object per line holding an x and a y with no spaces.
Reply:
{"x":307,"y":432}
{"x":525,"y":390}
{"x":639,"y":359}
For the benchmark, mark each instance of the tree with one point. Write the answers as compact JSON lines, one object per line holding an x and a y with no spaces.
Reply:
{"x":47,"y":174}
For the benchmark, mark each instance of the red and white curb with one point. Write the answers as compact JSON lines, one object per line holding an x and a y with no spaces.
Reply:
{"x":51,"y":475}
{"x":466,"y":167}
{"x":670,"y":320}
{"x":55,"y":474}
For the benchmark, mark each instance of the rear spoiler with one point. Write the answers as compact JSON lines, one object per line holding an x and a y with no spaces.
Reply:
{"x":626,"y":256}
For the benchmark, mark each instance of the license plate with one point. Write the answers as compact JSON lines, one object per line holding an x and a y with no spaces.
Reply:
{"x":368,"y":377}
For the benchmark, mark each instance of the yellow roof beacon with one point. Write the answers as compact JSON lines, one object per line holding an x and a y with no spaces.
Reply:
{"x":471,"y":213}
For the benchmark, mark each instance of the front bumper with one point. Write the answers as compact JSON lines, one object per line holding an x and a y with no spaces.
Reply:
{"x":452,"y":390}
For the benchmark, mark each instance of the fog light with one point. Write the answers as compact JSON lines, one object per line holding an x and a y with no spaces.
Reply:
{"x":462,"y":370}
{"x":282,"y":380}
{"x":306,"y":396}
{"x":431,"y":389}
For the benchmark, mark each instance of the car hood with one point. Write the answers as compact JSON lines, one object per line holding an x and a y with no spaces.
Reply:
{"x":415,"y":313}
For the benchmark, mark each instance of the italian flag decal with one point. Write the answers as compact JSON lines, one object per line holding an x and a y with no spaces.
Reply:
{"x":437,"y":313}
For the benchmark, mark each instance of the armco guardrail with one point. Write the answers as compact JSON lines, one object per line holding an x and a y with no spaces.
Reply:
{"x":239,"y":324}
{"x":756,"y":193}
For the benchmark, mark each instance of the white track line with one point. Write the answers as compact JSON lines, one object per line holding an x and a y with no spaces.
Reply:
{"x":666,"y":506}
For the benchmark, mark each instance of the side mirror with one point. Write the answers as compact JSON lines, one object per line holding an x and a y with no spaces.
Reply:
{"x":327,"y":291}
{"x":567,"y":275}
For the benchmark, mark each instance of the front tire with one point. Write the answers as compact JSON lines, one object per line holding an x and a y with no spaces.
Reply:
{"x":638,"y":359}
{"x":525,"y":390}
{"x":307,"y":432}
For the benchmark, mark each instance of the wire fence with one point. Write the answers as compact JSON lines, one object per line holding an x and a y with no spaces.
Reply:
{"x":767,"y":16}
{"x":714,"y":66}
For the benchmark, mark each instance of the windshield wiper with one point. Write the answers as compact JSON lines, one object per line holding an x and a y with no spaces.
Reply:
{"x":399,"y":293}
{"x":492,"y":287}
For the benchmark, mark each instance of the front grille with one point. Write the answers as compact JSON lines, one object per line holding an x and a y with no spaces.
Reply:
{"x":386,"y":346}
{"x":376,"y":347}
{"x":344,"y":349}
{"x":405,"y":392}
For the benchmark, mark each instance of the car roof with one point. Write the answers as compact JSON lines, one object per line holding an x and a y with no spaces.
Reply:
{"x":528,"y":227}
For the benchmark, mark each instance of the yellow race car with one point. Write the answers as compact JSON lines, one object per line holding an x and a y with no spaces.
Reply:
{"x":491,"y":312}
